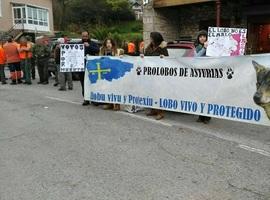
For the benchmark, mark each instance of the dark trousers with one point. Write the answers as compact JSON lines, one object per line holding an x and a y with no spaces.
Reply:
{"x":43,"y":73}
{"x":33,"y":67}
{"x":13,"y":67}
{"x":2,"y":74}
{"x":204,"y":118}
{"x":15,"y":71}
{"x":81,"y":76}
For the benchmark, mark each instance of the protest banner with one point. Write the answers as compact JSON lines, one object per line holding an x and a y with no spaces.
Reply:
{"x":226,"y":41}
{"x":72,"y":58}
{"x":234,"y":88}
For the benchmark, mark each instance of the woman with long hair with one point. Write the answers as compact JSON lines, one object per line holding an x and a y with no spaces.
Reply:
{"x":109,"y":49}
{"x":157,"y":47}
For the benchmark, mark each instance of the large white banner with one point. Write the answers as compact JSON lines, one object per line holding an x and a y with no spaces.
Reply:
{"x":72,"y":58}
{"x":226,"y":41}
{"x":233,"y":88}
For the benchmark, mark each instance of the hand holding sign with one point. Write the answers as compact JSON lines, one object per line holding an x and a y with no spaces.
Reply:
{"x":72,"y":58}
{"x":226,"y":41}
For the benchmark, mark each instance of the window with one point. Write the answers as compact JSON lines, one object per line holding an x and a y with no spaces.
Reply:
{"x":46,"y":18}
{"x":23,"y":15}
{"x":30,"y":15}
{"x":37,"y":16}
{"x":19,"y":16}
{"x":40,"y":17}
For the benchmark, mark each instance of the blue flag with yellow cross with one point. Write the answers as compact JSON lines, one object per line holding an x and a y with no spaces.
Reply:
{"x":106,"y":68}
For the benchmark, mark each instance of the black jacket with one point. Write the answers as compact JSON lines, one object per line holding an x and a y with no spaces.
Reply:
{"x":92,"y":49}
{"x":57,"y":55}
{"x":160,"y":50}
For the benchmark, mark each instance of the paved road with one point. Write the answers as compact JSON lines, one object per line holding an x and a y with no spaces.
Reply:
{"x":52,"y":148}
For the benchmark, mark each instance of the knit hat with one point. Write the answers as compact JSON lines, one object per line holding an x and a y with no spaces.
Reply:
{"x":202,"y":32}
{"x":61,"y":40}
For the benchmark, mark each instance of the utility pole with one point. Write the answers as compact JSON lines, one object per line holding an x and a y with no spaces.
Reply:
{"x":218,"y":10}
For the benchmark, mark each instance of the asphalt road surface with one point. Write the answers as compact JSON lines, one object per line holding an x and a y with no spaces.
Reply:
{"x":52,"y":148}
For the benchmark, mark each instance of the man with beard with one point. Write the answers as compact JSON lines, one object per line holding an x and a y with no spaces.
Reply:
{"x":91,"y":48}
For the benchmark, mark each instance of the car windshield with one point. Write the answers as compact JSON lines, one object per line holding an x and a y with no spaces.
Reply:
{"x":178,"y":52}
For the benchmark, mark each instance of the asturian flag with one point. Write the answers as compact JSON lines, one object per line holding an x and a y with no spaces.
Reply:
{"x":106,"y":68}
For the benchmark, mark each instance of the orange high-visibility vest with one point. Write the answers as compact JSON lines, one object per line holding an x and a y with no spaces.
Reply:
{"x":3,"y":57}
{"x":11,"y":50}
{"x":131,"y":47}
{"x":30,"y":54}
{"x":142,"y":45}
{"x":24,"y":54}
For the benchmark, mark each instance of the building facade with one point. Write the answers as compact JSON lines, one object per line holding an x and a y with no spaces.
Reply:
{"x":137,"y":7}
{"x":32,"y":16}
{"x":177,"y":19}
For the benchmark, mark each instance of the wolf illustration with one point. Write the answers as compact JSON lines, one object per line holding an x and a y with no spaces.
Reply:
{"x":262,"y":95}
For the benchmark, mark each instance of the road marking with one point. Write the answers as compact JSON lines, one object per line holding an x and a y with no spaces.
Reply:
{"x":134,"y":115}
{"x":120,"y":112}
{"x":62,"y":100}
{"x":259,"y":151}
{"x":197,"y":129}
{"x":223,"y":135}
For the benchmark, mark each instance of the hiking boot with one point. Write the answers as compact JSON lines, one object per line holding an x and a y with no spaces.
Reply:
{"x":159,"y":116}
{"x":151,"y":113}
{"x":86,"y":103}
{"x":62,"y":89}
{"x":108,"y":107}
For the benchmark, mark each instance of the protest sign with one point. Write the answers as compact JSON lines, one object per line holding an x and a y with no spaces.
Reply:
{"x":226,"y":41}
{"x":233,"y":88}
{"x":72,"y":58}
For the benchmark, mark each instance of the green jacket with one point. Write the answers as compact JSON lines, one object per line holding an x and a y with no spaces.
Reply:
{"x":41,"y":51}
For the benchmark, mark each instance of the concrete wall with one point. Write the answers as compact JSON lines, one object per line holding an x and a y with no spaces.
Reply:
{"x":181,"y":21}
{"x":6,"y":20}
{"x":162,"y":20}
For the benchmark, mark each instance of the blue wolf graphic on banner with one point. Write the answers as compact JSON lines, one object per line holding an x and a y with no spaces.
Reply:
{"x":106,"y":68}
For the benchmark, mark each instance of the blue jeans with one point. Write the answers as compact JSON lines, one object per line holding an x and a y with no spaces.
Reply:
{"x":26,"y":66}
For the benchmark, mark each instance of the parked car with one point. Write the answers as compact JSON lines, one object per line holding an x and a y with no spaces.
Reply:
{"x":181,"y":49}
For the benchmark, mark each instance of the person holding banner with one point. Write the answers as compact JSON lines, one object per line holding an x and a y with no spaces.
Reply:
{"x":201,"y":46}
{"x":90,"y":48}
{"x":109,"y":49}
{"x":157,"y":47}
{"x":63,"y":77}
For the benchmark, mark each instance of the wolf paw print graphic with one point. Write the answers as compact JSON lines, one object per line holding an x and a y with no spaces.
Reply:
{"x":139,"y":71}
{"x":230,"y":73}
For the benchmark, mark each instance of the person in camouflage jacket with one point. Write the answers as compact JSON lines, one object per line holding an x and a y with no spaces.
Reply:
{"x":42,"y":53}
